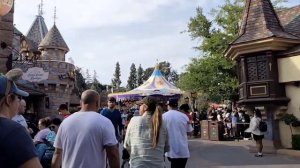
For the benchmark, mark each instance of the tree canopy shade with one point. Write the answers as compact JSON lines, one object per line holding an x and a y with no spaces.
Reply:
{"x":212,"y":73}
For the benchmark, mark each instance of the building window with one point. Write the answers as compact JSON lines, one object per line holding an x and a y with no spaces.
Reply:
{"x":257,"y":68}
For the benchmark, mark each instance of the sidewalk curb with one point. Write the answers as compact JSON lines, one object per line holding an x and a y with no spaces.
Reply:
{"x":289,"y":152}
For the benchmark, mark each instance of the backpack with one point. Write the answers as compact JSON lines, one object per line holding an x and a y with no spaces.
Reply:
{"x":263,"y":127}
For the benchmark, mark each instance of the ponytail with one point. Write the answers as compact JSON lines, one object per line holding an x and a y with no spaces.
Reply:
{"x":156,"y":125}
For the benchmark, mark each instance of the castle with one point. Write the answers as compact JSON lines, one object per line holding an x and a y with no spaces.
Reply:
{"x":42,"y":57}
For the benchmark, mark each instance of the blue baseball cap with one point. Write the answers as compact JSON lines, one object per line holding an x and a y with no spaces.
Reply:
{"x":7,"y":86}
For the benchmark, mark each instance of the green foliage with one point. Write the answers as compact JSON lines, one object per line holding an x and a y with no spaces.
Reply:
{"x":213,"y":76}
{"x":296,"y":142}
{"x":140,"y":73}
{"x":289,"y":119}
{"x":95,"y":84}
{"x":116,"y":81}
{"x":80,"y":81}
{"x":132,"y":79}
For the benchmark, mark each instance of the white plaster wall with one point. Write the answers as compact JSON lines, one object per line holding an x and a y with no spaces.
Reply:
{"x":292,"y":92}
{"x":289,"y":69}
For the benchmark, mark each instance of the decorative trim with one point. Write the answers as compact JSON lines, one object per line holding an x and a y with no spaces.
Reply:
{"x":258,"y":94}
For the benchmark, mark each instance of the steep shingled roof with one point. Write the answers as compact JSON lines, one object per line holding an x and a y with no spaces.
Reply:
{"x":260,"y":21}
{"x":38,"y":30}
{"x":54,"y":39}
{"x":290,"y":20}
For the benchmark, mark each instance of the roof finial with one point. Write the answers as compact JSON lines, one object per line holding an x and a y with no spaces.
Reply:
{"x":54,"y":15}
{"x":41,"y":12}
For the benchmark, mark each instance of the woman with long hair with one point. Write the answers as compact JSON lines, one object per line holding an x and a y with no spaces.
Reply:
{"x":146,"y":136}
{"x":256,"y":133}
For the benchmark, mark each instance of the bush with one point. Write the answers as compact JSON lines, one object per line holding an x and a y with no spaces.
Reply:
{"x":296,"y":142}
{"x":288,"y":119}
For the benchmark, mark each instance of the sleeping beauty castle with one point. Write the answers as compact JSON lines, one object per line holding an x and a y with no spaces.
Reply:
{"x":48,"y":78}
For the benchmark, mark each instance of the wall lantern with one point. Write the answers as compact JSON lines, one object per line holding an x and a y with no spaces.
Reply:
{"x":5,"y":6}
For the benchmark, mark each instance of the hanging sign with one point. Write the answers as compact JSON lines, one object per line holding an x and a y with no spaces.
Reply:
{"x":5,"y":6}
{"x":35,"y":74}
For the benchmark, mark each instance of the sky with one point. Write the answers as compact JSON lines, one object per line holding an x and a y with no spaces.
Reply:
{"x":100,"y":33}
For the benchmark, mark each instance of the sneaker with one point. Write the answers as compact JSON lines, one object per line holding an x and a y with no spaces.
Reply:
{"x":258,"y":155}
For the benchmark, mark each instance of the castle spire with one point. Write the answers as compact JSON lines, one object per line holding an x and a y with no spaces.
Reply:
{"x":54,"y":17}
{"x":40,"y":7}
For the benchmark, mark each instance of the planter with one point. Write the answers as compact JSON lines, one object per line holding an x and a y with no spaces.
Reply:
{"x":296,"y":141}
{"x":296,"y":124}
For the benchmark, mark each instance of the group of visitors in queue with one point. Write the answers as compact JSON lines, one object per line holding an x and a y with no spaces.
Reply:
{"x":233,"y":123}
{"x":237,"y":123}
{"x":87,"y":139}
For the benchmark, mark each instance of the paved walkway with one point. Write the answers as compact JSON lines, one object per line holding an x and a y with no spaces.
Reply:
{"x":233,"y":154}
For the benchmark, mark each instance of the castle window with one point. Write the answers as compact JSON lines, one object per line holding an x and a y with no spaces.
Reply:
{"x":257,"y":68}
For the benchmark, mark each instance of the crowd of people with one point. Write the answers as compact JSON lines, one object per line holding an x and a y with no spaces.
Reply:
{"x":232,"y":123}
{"x":149,"y":133}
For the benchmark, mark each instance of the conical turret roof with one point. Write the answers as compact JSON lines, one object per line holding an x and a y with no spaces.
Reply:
{"x":260,"y":21}
{"x":38,"y":30}
{"x":54,"y":40}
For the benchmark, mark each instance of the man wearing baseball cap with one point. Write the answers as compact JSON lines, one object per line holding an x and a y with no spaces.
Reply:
{"x":178,"y":127}
{"x":16,"y":146}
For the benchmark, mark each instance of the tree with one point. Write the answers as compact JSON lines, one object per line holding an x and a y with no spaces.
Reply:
{"x":216,"y":80}
{"x":132,"y":79}
{"x":212,"y":73}
{"x":80,"y":80}
{"x":88,"y":78}
{"x":140,"y":73}
{"x":116,"y":81}
{"x":95,"y":85}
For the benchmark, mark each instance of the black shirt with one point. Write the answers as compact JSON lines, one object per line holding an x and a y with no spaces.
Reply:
{"x":16,"y":146}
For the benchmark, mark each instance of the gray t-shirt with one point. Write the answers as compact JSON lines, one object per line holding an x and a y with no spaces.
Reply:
{"x":82,"y":137}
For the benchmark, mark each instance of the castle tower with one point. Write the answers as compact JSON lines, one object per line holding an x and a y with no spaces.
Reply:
{"x":53,"y":46}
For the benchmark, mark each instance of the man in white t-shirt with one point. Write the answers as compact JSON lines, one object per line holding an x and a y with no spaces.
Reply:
{"x":178,"y":127}
{"x":86,"y":138}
